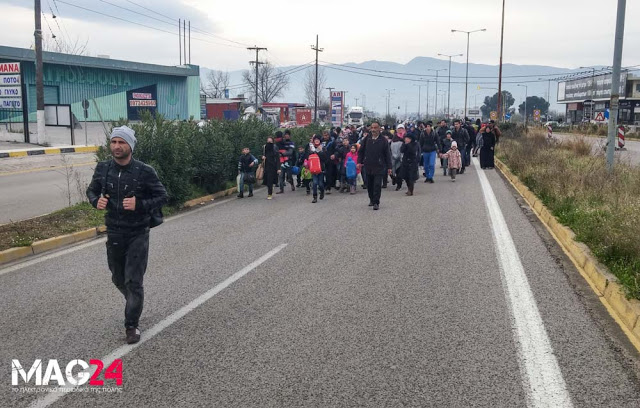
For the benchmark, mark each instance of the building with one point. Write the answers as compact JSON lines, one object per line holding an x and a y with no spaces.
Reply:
{"x":587,"y":99}
{"x":115,"y":89}
{"x":228,"y":109}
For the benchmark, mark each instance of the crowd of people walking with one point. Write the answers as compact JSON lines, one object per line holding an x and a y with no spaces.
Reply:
{"x":341,"y":159}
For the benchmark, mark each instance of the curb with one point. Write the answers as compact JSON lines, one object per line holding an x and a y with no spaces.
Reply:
{"x":48,"y":150}
{"x":626,"y":312}
{"x":38,"y":247}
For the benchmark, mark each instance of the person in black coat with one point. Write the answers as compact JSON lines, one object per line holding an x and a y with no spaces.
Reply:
{"x":487,"y":149}
{"x":375,"y":156}
{"x":271,"y":160}
{"x":409,"y":162}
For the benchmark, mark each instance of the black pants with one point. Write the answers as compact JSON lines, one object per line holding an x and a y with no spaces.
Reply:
{"x":127,"y":257}
{"x":486,"y":157}
{"x":374,"y":187}
{"x":410,"y":184}
{"x":330,"y":175}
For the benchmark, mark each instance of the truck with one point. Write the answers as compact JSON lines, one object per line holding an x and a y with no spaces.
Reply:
{"x":355,"y":116}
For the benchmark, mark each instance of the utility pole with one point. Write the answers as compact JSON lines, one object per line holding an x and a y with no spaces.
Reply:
{"x":388,"y":98}
{"x":184,"y":40}
{"x":42,"y":130}
{"x":257,"y":63}
{"x":435,"y":112}
{"x":315,"y":100}
{"x":466,"y":80}
{"x":526,"y":95}
{"x":180,"y":39}
{"x":615,"y":84}
{"x":449,"y":88}
{"x":189,"y":42}
{"x":500,"y":114}
{"x":356,"y":101}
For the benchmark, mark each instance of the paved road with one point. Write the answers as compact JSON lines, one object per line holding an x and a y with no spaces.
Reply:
{"x":630,"y":155}
{"x":37,"y":185}
{"x":450,"y":298}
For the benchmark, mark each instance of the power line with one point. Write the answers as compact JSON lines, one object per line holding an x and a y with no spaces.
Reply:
{"x":141,"y":24}
{"x":193,"y":28}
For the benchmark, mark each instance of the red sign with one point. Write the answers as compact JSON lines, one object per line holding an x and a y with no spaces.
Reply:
{"x":9,"y":67}
{"x":141,"y":95}
{"x":303,"y":117}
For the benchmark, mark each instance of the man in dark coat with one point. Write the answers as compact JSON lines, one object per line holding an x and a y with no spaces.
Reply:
{"x":375,"y":156}
{"x":460,"y":136}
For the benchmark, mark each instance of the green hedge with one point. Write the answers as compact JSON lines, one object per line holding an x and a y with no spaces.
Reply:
{"x":191,"y":159}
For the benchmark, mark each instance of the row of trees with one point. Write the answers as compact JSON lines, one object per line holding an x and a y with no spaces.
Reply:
{"x":533,"y":102}
{"x":271,"y":84}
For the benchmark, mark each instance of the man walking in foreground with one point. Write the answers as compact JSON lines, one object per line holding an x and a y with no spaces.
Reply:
{"x":132,"y":194}
{"x":375,"y":155}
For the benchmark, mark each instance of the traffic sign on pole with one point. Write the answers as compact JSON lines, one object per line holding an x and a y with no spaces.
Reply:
{"x":621,"y":137}
{"x":536,"y":115}
{"x":493,"y":115}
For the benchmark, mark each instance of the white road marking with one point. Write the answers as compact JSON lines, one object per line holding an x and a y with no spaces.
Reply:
{"x":542,"y":378}
{"x":168,"y":321}
{"x":43,"y":258}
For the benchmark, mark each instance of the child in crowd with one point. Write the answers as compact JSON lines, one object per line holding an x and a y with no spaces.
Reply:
{"x":454,"y":160}
{"x":350,"y":173}
{"x":300,"y":164}
{"x":341,"y":154}
{"x":446,"y":146}
{"x":315,"y":147}
{"x":247,"y":165}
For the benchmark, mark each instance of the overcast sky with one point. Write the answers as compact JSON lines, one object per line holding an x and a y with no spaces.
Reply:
{"x":563,"y":33}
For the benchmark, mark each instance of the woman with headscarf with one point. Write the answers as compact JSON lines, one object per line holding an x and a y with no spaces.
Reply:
{"x":486,"y":151}
{"x":271,"y":162}
{"x":409,"y":169}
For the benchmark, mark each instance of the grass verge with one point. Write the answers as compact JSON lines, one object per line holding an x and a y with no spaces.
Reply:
{"x":602,"y":209}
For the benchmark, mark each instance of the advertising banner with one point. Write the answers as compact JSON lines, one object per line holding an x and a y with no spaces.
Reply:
{"x":337,"y":108}
{"x":598,"y":87}
{"x":303,"y":117}
{"x":141,"y":99}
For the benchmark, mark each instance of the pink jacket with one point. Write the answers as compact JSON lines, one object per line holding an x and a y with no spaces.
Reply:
{"x":455,"y":160}
{"x":354,"y":157}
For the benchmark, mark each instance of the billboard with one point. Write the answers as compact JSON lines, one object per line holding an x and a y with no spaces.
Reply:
{"x":337,"y":107}
{"x":141,"y":99}
{"x":303,"y":117}
{"x":598,"y":87}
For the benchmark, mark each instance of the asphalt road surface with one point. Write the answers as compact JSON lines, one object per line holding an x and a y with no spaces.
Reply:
{"x":454,"y":297}
{"x":631,"y":154}
{"x":37,"y":185}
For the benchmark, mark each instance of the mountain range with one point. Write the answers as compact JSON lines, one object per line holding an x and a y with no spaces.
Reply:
{"x":372,"y":81}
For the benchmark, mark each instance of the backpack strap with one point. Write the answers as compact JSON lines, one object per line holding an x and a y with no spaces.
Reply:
{"x":137,"y":171}
{"x":104,"y":178}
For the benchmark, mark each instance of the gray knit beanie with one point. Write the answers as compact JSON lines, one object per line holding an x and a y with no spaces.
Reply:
{"x":126,"y":133}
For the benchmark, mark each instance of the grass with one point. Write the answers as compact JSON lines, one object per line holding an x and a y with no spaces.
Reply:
{"x":602,"y":209}
{"x":76,"y":218}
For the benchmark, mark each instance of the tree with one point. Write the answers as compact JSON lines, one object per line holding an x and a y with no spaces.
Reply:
{"x":72,"y":47}
{"x":271,"y":83}
{"x":310,"y":87}
{"x":534,"y":102}
{"x":215,"y":84}
{"x":491,"y":103}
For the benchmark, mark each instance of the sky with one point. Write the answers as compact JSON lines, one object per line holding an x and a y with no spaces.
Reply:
{"x":561,"y":33}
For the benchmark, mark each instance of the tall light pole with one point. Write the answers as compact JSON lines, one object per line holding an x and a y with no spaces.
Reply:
{"x":420,"y":97}
{"x":526,"y":95}
{"x":466,"y":80}
{"x":435,"y":112}
{"x":388,"y":98}
{"x":615,"y":83}
{"x":500,"y":69}
{"x":315,"y":100}
{"x":449,"y":88}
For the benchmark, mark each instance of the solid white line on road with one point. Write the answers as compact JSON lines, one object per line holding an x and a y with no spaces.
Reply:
{"x":168,"y":321}
{"x":542,"y":378}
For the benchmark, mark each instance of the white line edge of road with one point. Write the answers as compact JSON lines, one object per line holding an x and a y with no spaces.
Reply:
{"x":542,"y":379}
{"x":147,"y":335}
{"x":25,"y":264}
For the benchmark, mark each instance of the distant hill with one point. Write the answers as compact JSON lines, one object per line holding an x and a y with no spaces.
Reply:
{"x":369,"y":80}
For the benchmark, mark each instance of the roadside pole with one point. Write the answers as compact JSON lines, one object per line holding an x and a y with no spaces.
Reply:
{"x":615,"y":85}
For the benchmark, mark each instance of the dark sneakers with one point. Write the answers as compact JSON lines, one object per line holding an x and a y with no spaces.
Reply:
{"x":322,"y":194}
{"x":370,"y":204}
{"x":133,"y":335}
{"x":250,"y":195}
{"x":376,"y":207}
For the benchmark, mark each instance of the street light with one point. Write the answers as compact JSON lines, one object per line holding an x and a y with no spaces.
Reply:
{"x":435,"y":111}
{"x":466,"y":80}
{"x":419,"y":97}
{"x":526,"y":95}
{"x":449,"y":89}
{"x":388,"y":98}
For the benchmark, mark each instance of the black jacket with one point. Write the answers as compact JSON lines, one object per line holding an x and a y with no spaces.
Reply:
{"x":488,"y":139}
{"x":375,"y":155}
{"x":461,"y":137}
{"x":244,"y":163}
{"x":272,"y":159}
{"x":429,"y":142}
{"x":409,"y":161}
{"x":149,"y":192}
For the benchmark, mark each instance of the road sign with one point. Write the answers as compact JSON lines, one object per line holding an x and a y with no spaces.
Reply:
{"x":493,"y":115}
{"x":621,"y":137}
{"x":599,"y":117}
{"x":85,"y":104}
{"x":507,"y":116}
{"x":536,"y":115}
{"x":303,"y":117}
